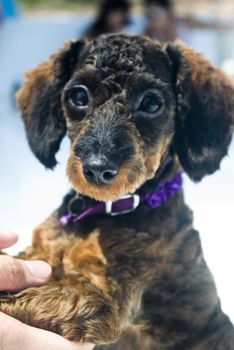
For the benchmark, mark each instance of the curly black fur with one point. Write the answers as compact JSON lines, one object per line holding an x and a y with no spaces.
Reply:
{"x":142,"y":277}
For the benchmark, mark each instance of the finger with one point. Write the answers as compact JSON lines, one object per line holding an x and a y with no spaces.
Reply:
{"x":16,"y":335}
{"x":18,"y":274}
{"x":7,"y":239}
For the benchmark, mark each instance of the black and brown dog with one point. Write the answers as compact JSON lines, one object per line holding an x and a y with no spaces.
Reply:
{"x":136,"y":113}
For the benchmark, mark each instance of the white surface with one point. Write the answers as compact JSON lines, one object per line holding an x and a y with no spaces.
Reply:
{"x":29,"y":193}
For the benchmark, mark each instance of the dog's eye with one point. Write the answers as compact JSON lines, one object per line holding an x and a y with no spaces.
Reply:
{"x":150,"y":104}
{"x":78,"y":96}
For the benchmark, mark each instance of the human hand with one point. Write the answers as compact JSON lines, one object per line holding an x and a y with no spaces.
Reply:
{"x":16,"y":275}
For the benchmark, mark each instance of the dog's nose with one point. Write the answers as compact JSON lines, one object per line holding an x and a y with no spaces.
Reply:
{"x":99,"y":171}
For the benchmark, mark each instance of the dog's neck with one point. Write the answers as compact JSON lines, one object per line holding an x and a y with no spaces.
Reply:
{"x":155,"y":192}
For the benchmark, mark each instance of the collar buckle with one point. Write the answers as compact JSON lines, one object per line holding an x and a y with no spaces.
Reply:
{"x":135,"y":202}
{"x":72,"y":205}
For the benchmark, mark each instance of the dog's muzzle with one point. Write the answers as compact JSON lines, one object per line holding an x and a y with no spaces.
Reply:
{"x":98,"y":170}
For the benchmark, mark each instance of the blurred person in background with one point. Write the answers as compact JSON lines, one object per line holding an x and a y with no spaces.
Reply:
{"x":113,"y":16}
{"x":160,"y":22}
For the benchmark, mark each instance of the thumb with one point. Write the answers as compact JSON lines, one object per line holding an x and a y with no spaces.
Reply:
{"x":18,"y":274}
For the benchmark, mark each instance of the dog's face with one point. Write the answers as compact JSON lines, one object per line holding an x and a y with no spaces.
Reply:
{"x":119,"y":107}
{"x":124,"y":101}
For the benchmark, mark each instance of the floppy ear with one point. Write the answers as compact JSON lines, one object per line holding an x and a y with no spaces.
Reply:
{"x":40,"y":102}
{"x":205,"y":111}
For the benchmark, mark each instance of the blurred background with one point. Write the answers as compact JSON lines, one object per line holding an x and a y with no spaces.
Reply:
{"x":30,"y":30}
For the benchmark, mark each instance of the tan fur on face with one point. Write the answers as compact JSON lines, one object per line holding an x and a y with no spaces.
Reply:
{"x":131,"y":175}
{"x":153,"y":161}
{"x":120,"y":186}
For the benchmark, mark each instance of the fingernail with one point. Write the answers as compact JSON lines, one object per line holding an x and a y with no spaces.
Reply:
{"x":39,"y":269}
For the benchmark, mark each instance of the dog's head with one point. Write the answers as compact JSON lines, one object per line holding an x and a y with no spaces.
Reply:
{"x":124,"y":101}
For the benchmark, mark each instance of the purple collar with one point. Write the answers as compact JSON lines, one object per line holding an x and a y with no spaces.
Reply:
{"x":128,"y":203}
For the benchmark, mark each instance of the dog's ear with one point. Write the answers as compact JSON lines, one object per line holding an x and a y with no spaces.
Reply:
{"x":205,"y":111}
{"x":40,"y":102}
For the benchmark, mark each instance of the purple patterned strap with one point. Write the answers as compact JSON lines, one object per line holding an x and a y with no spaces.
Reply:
{"x":128,"y":203}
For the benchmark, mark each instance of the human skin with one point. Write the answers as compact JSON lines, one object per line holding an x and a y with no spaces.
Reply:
{"x":16,"y":275}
